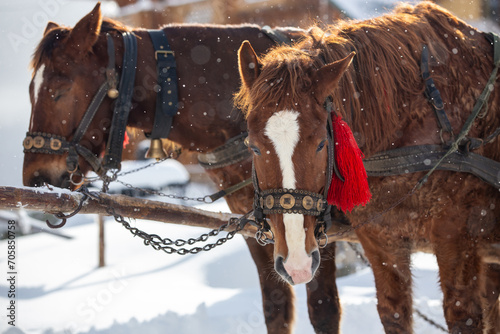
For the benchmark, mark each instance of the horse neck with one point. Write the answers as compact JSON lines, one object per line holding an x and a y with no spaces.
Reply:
{"x":207,"y":78}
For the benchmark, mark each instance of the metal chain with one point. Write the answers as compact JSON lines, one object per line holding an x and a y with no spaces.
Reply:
{"x":114,"y":178}
{"x":170,"y":246}
{"x":138,"y":169}
{"x":359,"y":254}
{"x":205,"y":199}
{"x":430,"y":321}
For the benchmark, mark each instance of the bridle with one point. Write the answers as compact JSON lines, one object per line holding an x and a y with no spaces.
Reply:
{"x":48,"y":143}
{"x":296,"y":201}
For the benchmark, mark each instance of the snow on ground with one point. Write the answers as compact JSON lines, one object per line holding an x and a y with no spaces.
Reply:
{"x":59,"y":288}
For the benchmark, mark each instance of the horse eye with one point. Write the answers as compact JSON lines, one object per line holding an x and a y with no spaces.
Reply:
{"x":255,"y":150}
{"x":59,"y":93}
{"x":321,"y":146}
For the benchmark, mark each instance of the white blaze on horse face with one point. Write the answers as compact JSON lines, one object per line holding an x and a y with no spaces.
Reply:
{"x":283,"y":130}
{"x":38,"y":81}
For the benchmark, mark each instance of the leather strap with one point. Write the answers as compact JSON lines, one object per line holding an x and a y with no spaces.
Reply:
{"x":167,"y":94}
{"x":114,"y":147}
{"x":433,"y":94}
{"x":233,"y":151}
{"x":412,"y":159}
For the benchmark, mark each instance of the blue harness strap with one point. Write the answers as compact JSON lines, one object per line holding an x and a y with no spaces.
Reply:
{"x":167,"y":94}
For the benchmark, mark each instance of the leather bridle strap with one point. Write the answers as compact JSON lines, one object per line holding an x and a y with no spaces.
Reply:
{"x":114,"y":147}
{"x":432,"y":93}
{"x":74,"y":148}
{"x":233,"y":151}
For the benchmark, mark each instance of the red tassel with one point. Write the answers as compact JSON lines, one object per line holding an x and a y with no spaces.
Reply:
{"x":348,"y":157}
{"x":126,"y":140}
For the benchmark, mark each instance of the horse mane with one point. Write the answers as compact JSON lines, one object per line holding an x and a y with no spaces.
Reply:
{"x":385,"y":76}
{"x":54,"y":37}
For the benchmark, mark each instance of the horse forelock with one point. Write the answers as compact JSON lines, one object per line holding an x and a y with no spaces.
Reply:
{"x":285,"y":76}
{"x":47,"y":45}
{"x":56,"y":36}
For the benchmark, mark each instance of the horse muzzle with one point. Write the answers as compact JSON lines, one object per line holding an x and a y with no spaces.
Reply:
{"x":298,"y":274}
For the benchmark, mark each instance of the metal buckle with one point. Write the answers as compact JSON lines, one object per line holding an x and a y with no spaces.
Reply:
{"x":164,"y":52}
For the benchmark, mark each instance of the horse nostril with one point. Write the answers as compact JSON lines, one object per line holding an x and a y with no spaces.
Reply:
{"x":280,"y":269}
{"x":65,"y":182}
{"x":37,"y":181}
{"x":316,"y":259}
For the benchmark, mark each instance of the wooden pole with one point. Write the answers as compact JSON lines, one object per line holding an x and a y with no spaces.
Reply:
{"x":138,"y":208}
{"x":102,"y":261}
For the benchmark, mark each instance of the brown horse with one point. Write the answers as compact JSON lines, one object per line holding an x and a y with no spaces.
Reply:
{"x":381,"y":97}
{"x":69,"y":65}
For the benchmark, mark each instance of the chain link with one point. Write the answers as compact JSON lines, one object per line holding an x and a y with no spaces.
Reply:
{"x":107,"y":180}
{"x":205,"y":199}
{"x":170,"y":246}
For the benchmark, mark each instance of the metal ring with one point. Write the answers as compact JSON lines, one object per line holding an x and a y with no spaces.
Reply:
{"x":323,"y":236}
{"x":258,"y":238}
{"x":73,"y":182}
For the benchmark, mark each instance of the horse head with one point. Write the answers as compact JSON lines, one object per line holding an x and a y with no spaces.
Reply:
{"x":283,"y":94}
{"x":69,"y":66}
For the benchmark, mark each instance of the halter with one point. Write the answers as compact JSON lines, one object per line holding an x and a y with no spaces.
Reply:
{"x":47,"y":143}
{"x":295,"y":201}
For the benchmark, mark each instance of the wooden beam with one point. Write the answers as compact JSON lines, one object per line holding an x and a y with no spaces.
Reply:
{"x":37,"y":199}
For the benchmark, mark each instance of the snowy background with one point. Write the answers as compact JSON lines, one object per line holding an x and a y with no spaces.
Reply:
{"x":61,"y":290}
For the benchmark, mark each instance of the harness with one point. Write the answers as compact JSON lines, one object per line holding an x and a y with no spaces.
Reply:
{"x":47,"y":143}
{"x":454,"y":155}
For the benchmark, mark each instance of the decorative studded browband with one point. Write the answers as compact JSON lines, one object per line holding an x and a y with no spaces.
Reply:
{"x":46,"y":143}
{"x":40,"y":142}
{"x":278,"y":201}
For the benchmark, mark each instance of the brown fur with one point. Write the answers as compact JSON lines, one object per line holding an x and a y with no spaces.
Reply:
{"x":206,"y":119}
{"x":381,"y":97}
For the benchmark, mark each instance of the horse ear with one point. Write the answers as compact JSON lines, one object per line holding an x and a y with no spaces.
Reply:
{"x":86,"y":32}
{"x":249,"y":64}
{"x":50,"y":25}
{"x":327,"y":78}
